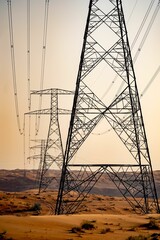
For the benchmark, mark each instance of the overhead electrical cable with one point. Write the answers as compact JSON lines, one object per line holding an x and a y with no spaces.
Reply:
{"x":115,"y":78}
{"x":43,"y":57}
{"x":13,"y":64}
{"x":151,"y":81}
{"x":132,"y":45}
{"x":147,"y":31}
{"x":132,"y":11}
{"x":28,"y":69}
{"x":24,"y":146}
{"x":142,"y":41}
{"x":142,"y":24}
{"x":141,"y":95}
{"x":28,"y":53}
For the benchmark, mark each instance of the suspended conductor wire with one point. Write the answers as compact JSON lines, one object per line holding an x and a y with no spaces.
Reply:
{"x":147,"y":32}
{"x":141,"y":95}
{"x":13,"y":64}
{"x":132,"y":11}
{"x":28,"y":69}
{"x":43,"y":57}
{"x":142,"y":42}
{"x":24,"y":145}
{"x":142,"y":24}
{"x":29,"y":133}
{"x":28,"y":54}
{"x":132,"y":46}
{"x":150,"y":82}
{"x":35,"y":137}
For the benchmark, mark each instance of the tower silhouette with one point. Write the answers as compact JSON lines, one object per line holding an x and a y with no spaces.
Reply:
{"x":106,"y":42}
{"x":40,"y":146}
{"x":51,"y":155}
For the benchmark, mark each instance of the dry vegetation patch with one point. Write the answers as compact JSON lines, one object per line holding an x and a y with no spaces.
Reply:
{"x":153,"y":224}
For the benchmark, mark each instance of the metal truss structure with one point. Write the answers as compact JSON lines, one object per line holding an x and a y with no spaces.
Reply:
{"x":51,"y":148}
{"x":40,"y":145}
{"x":123,"y":113}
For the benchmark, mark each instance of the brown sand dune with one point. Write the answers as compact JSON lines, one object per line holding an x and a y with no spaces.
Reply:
{"x":105,"y":226}
{"x":108,"y":217}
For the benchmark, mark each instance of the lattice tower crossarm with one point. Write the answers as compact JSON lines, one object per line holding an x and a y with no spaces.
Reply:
{"x":124,"y":113}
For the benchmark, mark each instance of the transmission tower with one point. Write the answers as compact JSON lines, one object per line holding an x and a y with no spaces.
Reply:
{"x":134,"y":180}
{"x":40,"y":145}
{"x":51,"y":149}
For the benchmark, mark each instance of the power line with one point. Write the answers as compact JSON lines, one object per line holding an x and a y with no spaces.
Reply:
{"x":141,"y":95}
{"x":133,"y":44}
{"x":28,"y":53}
{"x":147,"y":32}
{"x":13,"y":64}
{"x":142,"y":24}
{"x":142,"y":41}
{"x":28,"y":58}
{"x":28,"y":69}
{"x":132,"y":11}
{"x":24,"y":146}
{"x":151,"y":81}
{"x":43,"y":56}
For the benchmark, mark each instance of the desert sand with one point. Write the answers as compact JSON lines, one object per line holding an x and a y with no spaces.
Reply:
{"x":106,"y":226}
{"x":107,"y":217}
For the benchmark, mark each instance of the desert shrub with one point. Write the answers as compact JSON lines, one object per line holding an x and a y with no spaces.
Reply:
{"x":105,"y":230}
{"x":23,"y":197}
{"x":99,"y":199}
{"x":153,"y":225}
{"x":76,"y":230}
{"x":126,"y":209}
{"x":87,"y":225}
{"x":132,"y":229}
{"x":36,"y":207}
{"x":3,"y":236}
{"x":112,"y":198}
{"x":155,"y":236}
{"x":139,"y":237}
{"x":101,"y":208}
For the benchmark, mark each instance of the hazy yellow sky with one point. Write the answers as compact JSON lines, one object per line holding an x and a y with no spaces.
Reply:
{"x":66,"y":25}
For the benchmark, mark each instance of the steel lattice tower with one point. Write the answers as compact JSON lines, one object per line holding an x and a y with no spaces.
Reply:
{"x":41,"y":157}
{"x":40,"y":145}
{"x":123,"y":113}
{"x":52,"y":148}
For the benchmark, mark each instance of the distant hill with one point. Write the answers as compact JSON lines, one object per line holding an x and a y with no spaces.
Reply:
{"x":17,"y":180}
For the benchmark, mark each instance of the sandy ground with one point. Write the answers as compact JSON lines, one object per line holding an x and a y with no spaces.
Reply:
{"x":107,"y":226}
{"x":110,"y":217}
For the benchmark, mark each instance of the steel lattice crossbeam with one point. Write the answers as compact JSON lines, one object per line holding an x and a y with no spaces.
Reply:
{"x":127,"y":177}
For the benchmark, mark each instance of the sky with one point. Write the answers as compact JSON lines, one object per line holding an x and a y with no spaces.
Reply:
{"x":66,"y":24}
